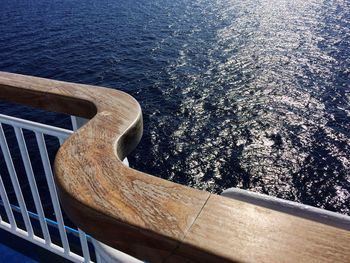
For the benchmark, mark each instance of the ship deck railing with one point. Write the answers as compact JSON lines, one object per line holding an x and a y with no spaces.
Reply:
{"x":122,"y":209}
{"x":44,"y":239}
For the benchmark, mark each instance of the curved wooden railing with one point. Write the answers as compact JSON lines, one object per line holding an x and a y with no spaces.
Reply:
{"x":148,"y":217}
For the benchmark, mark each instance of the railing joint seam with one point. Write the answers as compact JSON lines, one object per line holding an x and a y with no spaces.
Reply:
{"x":180,"y":242}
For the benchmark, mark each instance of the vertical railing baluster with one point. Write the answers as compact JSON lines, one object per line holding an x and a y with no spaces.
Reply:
{"x":52,"y":189}
{"x":98,"y":257}
{"x":32,"y":183}
{"x":7,"y":205}
{"x":15,"y":183}
{"x":61,"y":140}
{"x":77,"y":122}
{"x":74,"y":123}
{"x":84,"y":246}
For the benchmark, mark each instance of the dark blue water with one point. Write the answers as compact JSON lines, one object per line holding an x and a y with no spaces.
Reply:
{"x":251,"y":94}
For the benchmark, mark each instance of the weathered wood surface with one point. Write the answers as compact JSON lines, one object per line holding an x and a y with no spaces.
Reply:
{"x":148,"y":217}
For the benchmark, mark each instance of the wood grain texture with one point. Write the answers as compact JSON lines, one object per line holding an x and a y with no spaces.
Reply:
{"x":148,"y":217}
{"x":248,"y":233}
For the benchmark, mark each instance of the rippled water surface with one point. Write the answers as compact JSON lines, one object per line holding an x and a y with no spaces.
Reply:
{"x":251,"y":94}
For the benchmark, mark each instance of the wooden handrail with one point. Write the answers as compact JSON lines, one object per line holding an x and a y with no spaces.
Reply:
{"x":148,"y":217}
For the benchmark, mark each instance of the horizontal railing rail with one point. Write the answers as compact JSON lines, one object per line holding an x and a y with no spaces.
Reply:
{"x":146,"y":216}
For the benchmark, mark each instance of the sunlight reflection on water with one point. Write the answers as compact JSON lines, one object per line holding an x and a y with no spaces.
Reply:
{"x":252,"y":94}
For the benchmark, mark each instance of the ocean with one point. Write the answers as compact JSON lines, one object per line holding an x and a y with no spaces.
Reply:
{"x":252,"y":94}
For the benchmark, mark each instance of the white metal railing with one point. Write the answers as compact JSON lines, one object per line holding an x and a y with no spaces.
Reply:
{"x":40,"y":130}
